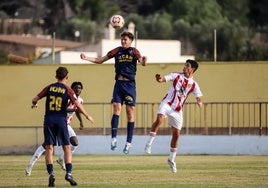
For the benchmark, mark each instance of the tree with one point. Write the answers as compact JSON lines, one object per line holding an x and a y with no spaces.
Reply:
{"x":11,"y":7}
{"x":161,"y":26}
{"x":195,"y":12}
{"x":235,"y":10}
{"x":87,"y":30}
{"x":3,"y":57}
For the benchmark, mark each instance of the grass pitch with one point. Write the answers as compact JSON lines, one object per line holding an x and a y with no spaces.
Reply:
{"x":142,"y":171}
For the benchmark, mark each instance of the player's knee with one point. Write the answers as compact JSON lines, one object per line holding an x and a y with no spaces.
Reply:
{"x":74,"y":141}
{"x":175,"y":132}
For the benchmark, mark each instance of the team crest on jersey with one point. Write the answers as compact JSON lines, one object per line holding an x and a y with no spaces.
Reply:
{"x":131,"y":51}
{"x":182,"y":91}
{"x":129,"y":98}
{"x":189,"y":86}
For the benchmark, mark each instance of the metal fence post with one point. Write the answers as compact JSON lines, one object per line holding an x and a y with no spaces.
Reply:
{"x":260,"y":119}
{"x":230,"y":119}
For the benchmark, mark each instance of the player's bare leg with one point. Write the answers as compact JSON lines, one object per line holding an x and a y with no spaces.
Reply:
{"x":173,"y":149}
{"x":74,"y":144}
{"x":155,"y":127}
{"x":68,"y":164}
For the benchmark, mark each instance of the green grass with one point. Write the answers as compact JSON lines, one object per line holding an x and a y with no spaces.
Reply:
{"x":140,"y":171}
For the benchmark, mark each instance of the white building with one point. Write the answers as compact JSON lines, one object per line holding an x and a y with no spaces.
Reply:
{"x":157,"y":51}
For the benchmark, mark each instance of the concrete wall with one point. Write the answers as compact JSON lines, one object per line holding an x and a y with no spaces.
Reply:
{"x":220,"y":82}
{"x":219,"y":145}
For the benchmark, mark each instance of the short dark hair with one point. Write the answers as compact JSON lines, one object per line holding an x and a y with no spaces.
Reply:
{"x":128,"y":34}
{"x":76,"y":84}
{"x":193,"y":63}
{"x":61,"y":73}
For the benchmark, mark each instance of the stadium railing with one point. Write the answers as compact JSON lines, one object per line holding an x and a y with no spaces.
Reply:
{"x":215,"y":118}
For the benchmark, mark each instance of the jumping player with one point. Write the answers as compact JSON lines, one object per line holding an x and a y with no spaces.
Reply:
{"x":126,"y":58}
{"x":172,"y":106}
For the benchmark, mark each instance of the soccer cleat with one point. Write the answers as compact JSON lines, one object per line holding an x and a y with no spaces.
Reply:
{"x":172,"y":166}
{"x":114,"y":145}
{"x":61,"y":163}
{"x":148,"y":149}
{"x":51,"y":180}
{"x":126,"y":148}
{"x":28,"y":170}
{"x":70,"y":179}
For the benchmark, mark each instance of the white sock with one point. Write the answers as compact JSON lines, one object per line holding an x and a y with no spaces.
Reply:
{"x":73,"y":148}
{"x":61,"y":155}
{"x":38,"y":152}
{"x":173,"y":153}
{"x":114,"y":140}
{"x":151,"y":139}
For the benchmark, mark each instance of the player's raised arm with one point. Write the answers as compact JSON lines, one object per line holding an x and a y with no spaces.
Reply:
{"x":160,"y":78}
{"x":143,"y":60}
{"x":97,"y":60}
{"x":83,"y":111}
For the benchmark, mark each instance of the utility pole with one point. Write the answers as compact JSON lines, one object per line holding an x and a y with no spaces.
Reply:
{"x":53,"y":47}
{"x":215,"y":45}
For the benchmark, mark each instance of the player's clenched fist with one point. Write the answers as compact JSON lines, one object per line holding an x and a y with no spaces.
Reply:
{"x":82,"y":56}
{"x":158,"y":77}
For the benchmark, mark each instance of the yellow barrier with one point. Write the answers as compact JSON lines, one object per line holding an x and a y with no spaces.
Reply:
{"x":220,"y":82}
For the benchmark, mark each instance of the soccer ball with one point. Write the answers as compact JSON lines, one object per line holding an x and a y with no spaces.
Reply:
{"x":117,"y":21}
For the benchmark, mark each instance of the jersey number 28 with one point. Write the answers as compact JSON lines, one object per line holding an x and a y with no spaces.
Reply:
{"x":55,"y":103}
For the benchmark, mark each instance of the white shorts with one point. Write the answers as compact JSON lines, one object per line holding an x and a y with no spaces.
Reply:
{"x":71,"y":131}
{"x":175,"y":118}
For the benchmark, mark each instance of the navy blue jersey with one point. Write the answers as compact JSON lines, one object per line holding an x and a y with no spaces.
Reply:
{"x":125,"y":61}
{"x":57,"y":96}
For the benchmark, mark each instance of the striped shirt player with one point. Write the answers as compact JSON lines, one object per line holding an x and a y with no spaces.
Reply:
{"x":126,"y":58}
{"x":176,"y":96}
{"x":71,"y":110}
{"x":182,"y":84}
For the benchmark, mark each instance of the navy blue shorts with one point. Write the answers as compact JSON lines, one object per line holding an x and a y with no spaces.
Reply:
{"x":56,"y":131}
{"x":125,"y":92}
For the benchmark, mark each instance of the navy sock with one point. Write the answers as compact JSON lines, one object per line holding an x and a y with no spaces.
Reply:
{"x":50,"y":169}
{"x":69,"y":168}
{"x":114,"y":125}
{"x":130,"y":130}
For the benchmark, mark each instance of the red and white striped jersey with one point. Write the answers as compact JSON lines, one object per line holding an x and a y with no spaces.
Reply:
{"x":71,"y":107}
{"x":179,"y":90}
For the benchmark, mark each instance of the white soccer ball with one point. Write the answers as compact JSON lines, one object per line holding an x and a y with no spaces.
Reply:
{"x":117,"y":21}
